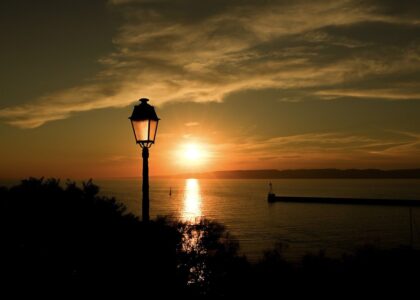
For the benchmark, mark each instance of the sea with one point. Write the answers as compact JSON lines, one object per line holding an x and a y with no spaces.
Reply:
{"x":298,"y":228}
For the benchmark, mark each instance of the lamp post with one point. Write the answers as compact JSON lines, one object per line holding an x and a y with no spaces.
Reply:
{"x":144,"y":122}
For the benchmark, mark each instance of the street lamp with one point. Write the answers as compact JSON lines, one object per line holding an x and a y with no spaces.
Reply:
{"x":145,"y":122}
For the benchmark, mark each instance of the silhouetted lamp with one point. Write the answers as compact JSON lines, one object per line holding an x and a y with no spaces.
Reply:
{"x":145,"y":123}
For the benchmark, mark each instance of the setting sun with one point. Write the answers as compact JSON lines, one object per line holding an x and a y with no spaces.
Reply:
{"x":192,"y":155}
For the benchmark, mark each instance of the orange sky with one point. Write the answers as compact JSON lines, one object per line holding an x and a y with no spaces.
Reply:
{"x":254,"y":85}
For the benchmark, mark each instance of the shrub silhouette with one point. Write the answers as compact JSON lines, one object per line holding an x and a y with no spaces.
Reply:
{"x":368,"y":270}
{"x":210,"y":261}
{"x":65,"y":236}
{"x":73,"y":236}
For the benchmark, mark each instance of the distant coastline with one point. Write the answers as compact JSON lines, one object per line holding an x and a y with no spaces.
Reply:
{"x":309,"y":174}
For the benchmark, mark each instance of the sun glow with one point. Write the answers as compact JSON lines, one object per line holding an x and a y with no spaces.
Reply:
{"x":193,"y":154}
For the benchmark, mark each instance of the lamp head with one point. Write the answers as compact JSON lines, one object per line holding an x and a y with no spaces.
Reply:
{"x":145,"y":123}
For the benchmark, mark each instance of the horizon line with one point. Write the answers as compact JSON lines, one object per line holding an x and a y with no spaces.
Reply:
{"x":214,"y":173}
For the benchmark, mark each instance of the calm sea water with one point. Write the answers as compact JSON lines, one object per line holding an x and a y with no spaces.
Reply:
{"x":242,"y":206}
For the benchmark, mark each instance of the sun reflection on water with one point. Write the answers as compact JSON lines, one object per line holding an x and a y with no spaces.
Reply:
{"x":192,"y":233}
{"x":192,"y":201}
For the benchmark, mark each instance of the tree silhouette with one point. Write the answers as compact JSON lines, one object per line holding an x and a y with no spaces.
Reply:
{"x":71,"y":235}
{"x":63,"y":236}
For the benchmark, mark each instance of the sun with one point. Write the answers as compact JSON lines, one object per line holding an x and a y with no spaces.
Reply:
{"x":193,"y":154}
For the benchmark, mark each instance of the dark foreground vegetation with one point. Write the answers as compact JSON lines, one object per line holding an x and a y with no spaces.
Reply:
{"x":67,"y":238}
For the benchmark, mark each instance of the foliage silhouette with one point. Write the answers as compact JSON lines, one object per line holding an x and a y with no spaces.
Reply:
{"x":209,"y":260}
{"x":65,"y":236}
{"x":55,"y":234}
{"x":73,"y":236}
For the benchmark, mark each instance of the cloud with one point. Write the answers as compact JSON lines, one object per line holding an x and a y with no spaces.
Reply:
{"x":187,"y":50}
{"x":339,"y":150}
{"x":192,"y":124}
{"x":313,"y":142}
{"x":391,"y":94}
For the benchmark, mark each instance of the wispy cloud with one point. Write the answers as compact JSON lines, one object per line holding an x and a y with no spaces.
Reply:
{"x":204,"y":50}
{"x":391,"y":94}
{"x":192,"y":124}
{"x":321,"y":149}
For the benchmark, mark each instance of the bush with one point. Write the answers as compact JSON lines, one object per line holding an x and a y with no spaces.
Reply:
{"x":68,"y":237}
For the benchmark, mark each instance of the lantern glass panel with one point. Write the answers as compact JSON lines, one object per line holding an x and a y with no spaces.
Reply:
{"x":141,"y":130}
{"x":153,"y":129}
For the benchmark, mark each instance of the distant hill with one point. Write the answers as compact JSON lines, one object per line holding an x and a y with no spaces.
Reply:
{"x":308,"y":173}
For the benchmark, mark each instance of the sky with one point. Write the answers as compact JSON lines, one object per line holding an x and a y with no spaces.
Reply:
{"x":241,"y":84}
